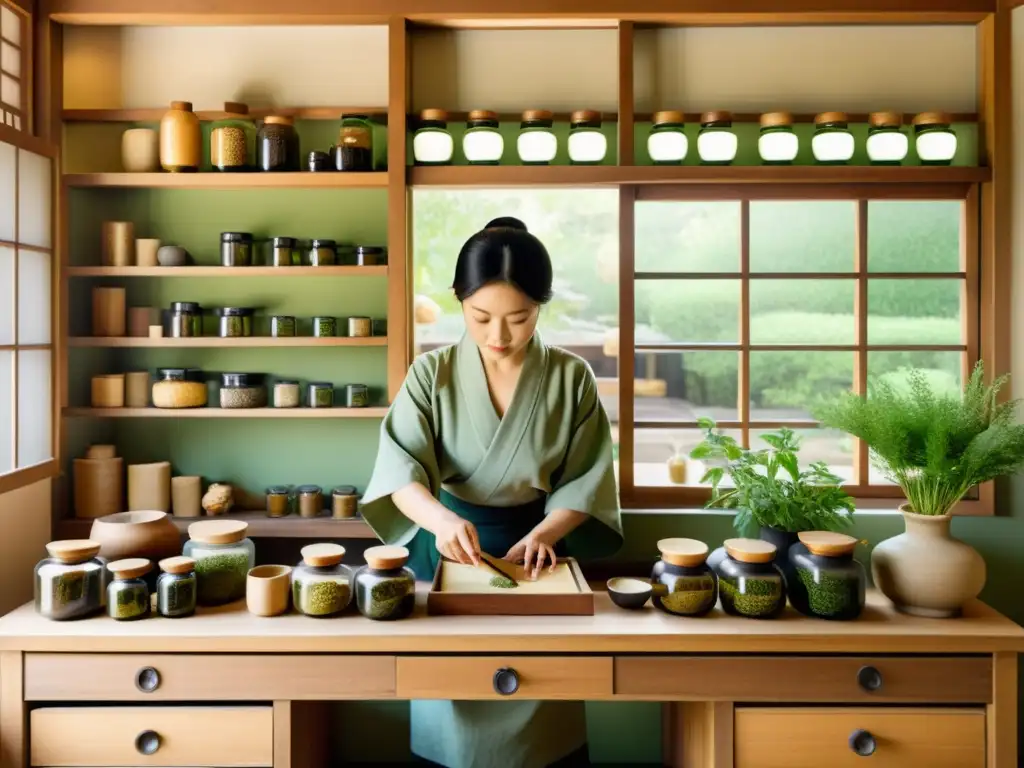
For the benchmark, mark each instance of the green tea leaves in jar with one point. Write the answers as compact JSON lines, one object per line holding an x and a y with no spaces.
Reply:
{"x":128,"y":593}
{"x":357,"y":396}
{"x":71,"y":583}
{"x":311,"y":500}
{"x":323,"y":253}
{"x":321,"y":394}
{"x":223,"y":557}
{"x":235,"y":249}
{"x":176,"y":587}
{"x":282,"y":325}
{"x":234,"y":322}
{"x":324,"y":326}
{"x":321,"y":585}
{"x":385,"y":589}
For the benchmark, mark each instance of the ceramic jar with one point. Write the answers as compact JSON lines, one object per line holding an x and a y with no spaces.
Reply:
{"x":777,"y":142}
{"x":667,"y":143}
{"x":482,"y":143}
{"x":832,"y":143}
{"x":935,"y":139}
{"x":925,"y":571}
{"x":72,"y":582}
{"x":140,"y":150}
{"x":827,"y":583}
{"x":749,"y":583}
{"x":180,"y":139}
{"x":717,"y":142}
{"x":321,"y":585}
{"x":886,"y":143}
{"x":688,"y":585}
{"x":432,"y":143}
{"x":176,"y":587}
{"x":128,"y":593}
{"x":223,"y":558}
{"x":385,"y":589}
{"x":587,"y":145}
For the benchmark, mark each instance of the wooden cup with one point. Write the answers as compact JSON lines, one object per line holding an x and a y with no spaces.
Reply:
{"x":118,"y":247}
{"x":145,"y":251}
{"x":108,"y":312}
{"x":108,"y":391}
{"x":136,"y":389}
{"x":187,"y":496}
{"x":149,"y":486}
{"x":139,"y":320}
{"x":267,"y":589}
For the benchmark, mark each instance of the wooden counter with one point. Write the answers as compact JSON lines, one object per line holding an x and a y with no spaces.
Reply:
{"x":954,"y":681}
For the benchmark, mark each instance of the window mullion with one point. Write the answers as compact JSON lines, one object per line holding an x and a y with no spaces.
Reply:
{"x":14,"y":319}
{"x":743,"y":397}
{"x":860,"y":318}
{"x":627,"y":336}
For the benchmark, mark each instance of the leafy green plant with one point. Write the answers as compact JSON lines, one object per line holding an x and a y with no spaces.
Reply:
{"x":936,"y":446}
{"x":769,"y":488}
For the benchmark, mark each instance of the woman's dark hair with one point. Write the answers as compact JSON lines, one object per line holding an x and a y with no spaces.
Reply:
{"x":504,"y":252}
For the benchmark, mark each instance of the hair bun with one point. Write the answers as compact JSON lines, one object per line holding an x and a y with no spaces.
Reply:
{"x":506,"y":222}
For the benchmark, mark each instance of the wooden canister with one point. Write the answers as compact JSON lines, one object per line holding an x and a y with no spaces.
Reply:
{"x":145,"y":251}
{"x":136,"y":389}
{"x":108,"y":311}
{"x":108,"y":391}
{"x":118,"y":245}
{"x":149,"y":486}
{"x":139,"y":320}
{"x":187,"y":496}
{"x":180,"y":139}
{"x":101,"y":452}
{"x":99,"y":487}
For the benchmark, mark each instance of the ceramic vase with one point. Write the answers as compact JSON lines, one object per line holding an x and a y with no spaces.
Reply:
{"x":180,"y":139}
{"x":925,"y":571}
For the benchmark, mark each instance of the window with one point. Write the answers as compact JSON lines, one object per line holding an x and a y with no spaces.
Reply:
{"x":13,"y":66}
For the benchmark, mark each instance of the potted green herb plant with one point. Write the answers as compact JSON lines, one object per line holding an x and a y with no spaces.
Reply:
{"x":936,"y":447}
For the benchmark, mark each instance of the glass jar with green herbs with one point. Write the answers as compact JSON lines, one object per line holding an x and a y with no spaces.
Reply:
{"x":321,"y":585}
{"x":749,"y":582}
{"x":128,"y":592}
{"x":72,"y":582}
{"x":827,"y":582}
{"x":322,"y":253}
{"x":282,"y":252}
{"x":176,"y":587}
{"x":223,"y":558}
{"x":385,"y":588}
{"x":282,"y":326}
{"x":325,"y":326}
{"x":357,"y":396}
{"x":684,"y":583}
{"x":236,"y":249}
{"x":320,"y":394}
{"x":235,"y":322}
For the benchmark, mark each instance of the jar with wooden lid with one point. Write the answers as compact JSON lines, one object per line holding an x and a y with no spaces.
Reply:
{"x":887,"y":144}
{"x":537,"y":143}
{"x":279,"y":501}
{"x":354,"y":151}
{"x":277,"y":145}
{"x":749,"y":582}
{"x":587,"y":145}
{"x":176,"y":587}
{"x":71,"y":582}
{"x":233,"y":139}
{"x":385,"y":588}
{"x":827,"y":583}
{"x":311,"y":500}
{"x":128,"y":592}
{"x":689,"y":586}
{"x":777,"y":143}
{"x":832,"y":143}
{"x":482,"y":143}
{"x":321,"y":585}
{"x":432,"y":143}
{"x":667,"y":143}
{"x":223,"y":558}
{"x":344,"y":502}
{"x":180,"y":139}
{"x":716,"y":141}
{"x":179,"y":388}
{"x":935,"y":139}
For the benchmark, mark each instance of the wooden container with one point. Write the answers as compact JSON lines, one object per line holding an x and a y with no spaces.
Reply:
{"x":118,"y":244}
{"x":101,"y":452}
{"x":108,"y":391}
{"x":108,"y":312}
{"x":140,"y":319}
{"x":98,"y":487}
{"x":148,"y":534}
{"x":140,"y":150}
{"x":267,"y":589}
{"x":136,"y":389}
{"x":149,"y":486}
{"x":180,"y":139}
{"x":145,"y":251}
{"x":187,"y":496}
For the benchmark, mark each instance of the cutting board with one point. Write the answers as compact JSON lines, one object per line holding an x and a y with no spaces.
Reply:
{"x":465,"y":590}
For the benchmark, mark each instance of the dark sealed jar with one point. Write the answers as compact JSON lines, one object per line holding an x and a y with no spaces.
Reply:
{"x":176,"y":587}
{"x":684,"y":583}
{"x":185,"y":320}
{"x":357,"y":395}
{"x":311,"y":500}
{"x":282,"y":252}
{"x":223,"y":557}
{"x":234,"y":322}
{"x":344,"y":502}
{"x":354,"y":151}
{"x":749,"y":582}
{"x":72,"y":582}
{"x":243,"y":390}
{"x":369,"y":256}
{"x":277,"y":144}
{"x":828,"y":583}
{"x":320,"y":394}
{"x":318,"y":162}
{"x":128,"y":592}
{"x":321,"y":585}
{"x":282,"y":325}
{"x":385,"y":589}
{"x":322,"y":253}
{"x":278,"y":501}
{"x":233,"y":139}
{"x":325,"y":326}
{"x":235,"y":249}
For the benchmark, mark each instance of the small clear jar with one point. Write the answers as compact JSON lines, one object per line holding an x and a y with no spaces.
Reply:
{"x":277,"y":145}
{"x":185,"y":320}
{"x":887,"y":144}
{"x":344,"y":502}
{"x":325,"y":326}
{"x":482,"y":143}
{"x":235,"y":322}
{"x":321,"y":585}
{"x":369,"y":255}
{"x":432,"y":143}
{"x":935,"y":140}
{"x":286,"y":394}
{"x":72,"y":582}
{"x":667,"y":143}
{"x":283,"y":252}
{"x":537,"y":143}
{"x":233,"y":139}
{"x":587,"y":145}
{"x":223,"y":557}
{"x":310,"y":500}
{"x":128,"y":592}
{"x":320,"y":394}
{"x":176,"y":588}
{"x":354,"y":151}
{"x":282,"y":326}
{"x":749,"y":582}
{"x":235,"y":249}
{"x":826,"y":582}
{"x":777,"y":143}
{"x":179,"y":388}
{"x":242,"y":390}
{"x":385,"y":589}
{"x":359,"y":327}
{"x":322,"y":253}
{"x":357,"y":395}
{"x":279,"y":501}
{"x":832,"y":143}
{"x":716,"y":140}
{"x":684,"y":585}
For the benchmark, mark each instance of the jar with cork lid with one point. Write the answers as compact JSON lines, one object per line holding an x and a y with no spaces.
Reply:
{"x":432,"y":143}
{"x":233,"y":139}
{"x":71,"y":583}
{"x":667,"y":143}
{"x":777,"y":143}
{"x":128,"y":593}
{"x":321,"y":585}
{"x":176,"y":587}
{"x":482,"y":143}
{"x":277,"y":144}
{"x":827,"y":583}
{"x":887,"y":144}
{"x":832,"y":143}
{"x":537,"y":143}
{"x":223,"y":557}
{"x":587,"y":145}
{"x":180,"y":139}
{"x":935,"y":139}
{"x":684,"y":583}
{"x":716,"y":141}
{"x":385,"y":589}
{"x":749,"y":582}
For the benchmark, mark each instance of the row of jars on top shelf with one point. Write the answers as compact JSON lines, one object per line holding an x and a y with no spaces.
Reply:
{"x":667,"y":144}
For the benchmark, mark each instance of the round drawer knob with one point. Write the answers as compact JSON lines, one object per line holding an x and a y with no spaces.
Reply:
{"x":862,"y":743}
{"x":147,"y":742}
{"x":506,"y":681}
{"x":147,"y":679}
{"x":869,"y":678}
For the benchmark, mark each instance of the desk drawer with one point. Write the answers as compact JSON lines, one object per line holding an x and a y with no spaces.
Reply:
{"x":519,"y":677}
{"x":893,"y":738}
{"x":807,"y":679}
{"x":180,"y":736}
{"x":184,"y":677}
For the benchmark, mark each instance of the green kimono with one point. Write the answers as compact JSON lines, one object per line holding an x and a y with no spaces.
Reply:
{"x":551,"y":450}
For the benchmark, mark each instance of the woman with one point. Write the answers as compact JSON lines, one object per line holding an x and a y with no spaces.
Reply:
{"x":497,"y":444}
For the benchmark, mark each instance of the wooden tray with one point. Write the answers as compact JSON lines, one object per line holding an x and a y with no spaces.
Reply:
{"x":468,"y":593}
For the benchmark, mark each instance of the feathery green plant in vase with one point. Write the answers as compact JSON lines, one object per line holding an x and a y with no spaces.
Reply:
{"x":936,"y":447}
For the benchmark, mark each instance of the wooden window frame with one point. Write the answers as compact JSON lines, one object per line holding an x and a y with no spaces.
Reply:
{"x":24,"y":79}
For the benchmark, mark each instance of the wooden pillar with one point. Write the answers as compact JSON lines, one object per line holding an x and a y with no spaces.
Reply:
{"x":399,"y":289}
{"x":13,"y":712}
{"x":697,"y":734}
{"x":1001,"y":714}
{"x":301,"y":734}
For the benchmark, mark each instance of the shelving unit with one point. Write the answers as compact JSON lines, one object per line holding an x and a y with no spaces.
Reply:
{"x":154,"y":115}
{"x":232,"y":272}
{"x":216,"y":342}
{"x":225,"y":413}
{"x":208,"y":180}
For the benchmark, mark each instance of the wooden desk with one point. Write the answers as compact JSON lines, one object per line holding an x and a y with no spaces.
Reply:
{"x":208,"y":679}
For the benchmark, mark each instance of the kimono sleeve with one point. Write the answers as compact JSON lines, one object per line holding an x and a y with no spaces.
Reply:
{"x":405,"y":454}
{"x":585,"y":482}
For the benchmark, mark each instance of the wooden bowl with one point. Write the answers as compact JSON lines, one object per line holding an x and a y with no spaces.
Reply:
{"x":628,"y":593}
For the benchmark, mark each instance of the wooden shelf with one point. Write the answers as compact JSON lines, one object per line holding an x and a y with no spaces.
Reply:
{"x":339,"y":271}
{"x":154,"y":115}
{"x":596,"y":175}
{"x":260,"y":526}
{"x":216,"y":342}
{"x":226,"y":413}
{"x":213,"y":180}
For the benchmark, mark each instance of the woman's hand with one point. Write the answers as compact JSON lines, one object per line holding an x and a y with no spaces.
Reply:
{"x":533,"y":550}
{"x":457,"y":540}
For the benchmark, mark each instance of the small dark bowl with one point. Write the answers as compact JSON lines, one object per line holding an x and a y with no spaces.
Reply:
{"x":628,"y":593}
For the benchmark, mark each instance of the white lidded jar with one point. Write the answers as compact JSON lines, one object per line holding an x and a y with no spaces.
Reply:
{"x":716,"y":140}
{"x":432,"y":144}
{"x":777,"y":143}
{"x":887,"y":144}
{"x":832,"y":143}
{"x":587,"y":145}
{"x":482,"y":143}
{"x":936,"y":141}
{"x":667,"y":143}
{"x":537,"y":143}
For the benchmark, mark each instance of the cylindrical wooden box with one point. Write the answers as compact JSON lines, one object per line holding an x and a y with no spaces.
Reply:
{"x":108,"y":391}
{"x":118,"y":244}
{"x":108,"y":311}
{"x":187,"y":496}
{"x":139,"y":320}
{"x":136,"y":389}
{"x":99,"y":487}
{"x":101,"y":452}
{"x":145,"y":251}
{"x":149,"y":486}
